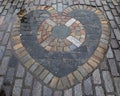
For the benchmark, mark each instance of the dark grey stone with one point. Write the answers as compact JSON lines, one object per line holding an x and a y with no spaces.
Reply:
{"x":61,"y":31}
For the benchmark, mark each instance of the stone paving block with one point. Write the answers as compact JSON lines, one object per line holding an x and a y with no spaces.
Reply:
{"x":54,"y":6}
{"x":110,"y":53}
{"x":87,"y":2}
{"x":96,"y":77}
{"x":117,"y":54}
{"x":78,"y":90}
{"x":42,"y":2}
{"x":99,"y":91}
{"x":37,"y":88}
{"x":48,"y":2}
{"x":43,"y":74}
{"x":114,"y":43}
{"x":60,"y":85}
{"x":88,"y":90}
{"x":10,"y":76}
{"x":110,"y":16}
{"x":113,"y":24}
{"x":108,"y":81}
{"x":72,"y":79}
{"x":4,"y":65}
{"x":65,"y":82}
{"x":78,"y":75}
{"x":117,"y":85}
{"x":2,"y":50}
{"x":54,"y":82}
{"x":17,"y":87}
{"x":38,"y":70}
{"x":26,"y":92}
{"x":103,"y":65}
{"x":60,"y":7}
{"x":82,"y":2}
{"x":58,"y":93}
{"x":117,"y":20}
{"x":36,"y":2}
{"x":20,"y":71}
{"x":48,"y":78}
{"x":74,"y":41}
{"x":47,"y":91}
{"x":34,"y":66}
{"x":70,"y":22}
{"x":70,"y":2}
{"x":98,"y":2}
{"x":28,"y":79}
{"x":54,"y":1}
{"x":1,"y":35}
{"x":1,"y":82}
{"x":7,"y":90}
{"x":113,"y":67}
{"x":82,"y":71}
{"x":68,"y":92}
{"x":114,"y":12}
{"x":117,"y":34}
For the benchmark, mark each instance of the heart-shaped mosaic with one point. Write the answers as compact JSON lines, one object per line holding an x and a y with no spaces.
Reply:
{"x":61,"y":50}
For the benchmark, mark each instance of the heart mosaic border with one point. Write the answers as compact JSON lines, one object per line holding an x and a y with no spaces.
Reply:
{"x":82,"y":71}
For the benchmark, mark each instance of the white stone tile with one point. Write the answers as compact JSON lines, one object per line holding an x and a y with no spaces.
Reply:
{"x":70,"y":22}
{"x":74,"y":41}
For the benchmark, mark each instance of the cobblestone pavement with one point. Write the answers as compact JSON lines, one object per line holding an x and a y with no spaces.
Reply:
{"x":17,"y":79}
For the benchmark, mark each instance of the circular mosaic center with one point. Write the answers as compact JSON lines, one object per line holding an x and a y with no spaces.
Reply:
{"x":61,"y":34}
{"x":61,"y":31}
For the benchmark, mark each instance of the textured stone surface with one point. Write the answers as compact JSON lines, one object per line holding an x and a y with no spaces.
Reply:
{"x":108,"y":81}
{"x":8,"y":10}
{"x":99,"y":91}
{"x":20,"y":71}
{"x":88,"y":87}
{"x":96,"y":77}
{"x":4,"y":65}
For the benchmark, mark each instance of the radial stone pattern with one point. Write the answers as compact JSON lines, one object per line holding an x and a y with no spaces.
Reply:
{"x":61,"y":49}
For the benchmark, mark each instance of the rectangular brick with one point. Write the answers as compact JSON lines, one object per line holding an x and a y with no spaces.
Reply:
{"x":37,"y":89}
{"x":42,"y":2}
{"x":5,"y":38}
{"x":2,"y":50}
{"x":117,"y":85}
{"x":108,"y":81}
{"x":10,"y":76}
{"x":36,"y":2}
{"x":117,"y":34}
{"x":4,"y":65}
{"x":78,"y":90}
{"x":1,"y":35}
{"x":1,"y":82}
{"x":88,"y":87}
{"x":20,"y":71}
{"x":99,"y":91}
{"x":47,"y":91}
{"x":110,"y":16}
{"x":117,"y":54}
{"x":28,"y":79}
{"x":58,"y":93}
{"x":68,"y":92}
{"x":26,"y":92}
{"x":74,"y":41}
{"x":17,"y":87}
{"x":96,"y":77}
{"x":113,"y":67}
